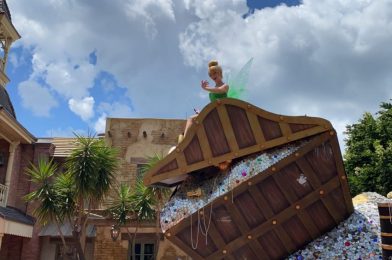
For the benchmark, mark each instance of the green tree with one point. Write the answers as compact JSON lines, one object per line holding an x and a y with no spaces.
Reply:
{"x":70,"y":196}
{"x":53,"y":206}
{"x":143,"y":204}
{"x":368,"y":156}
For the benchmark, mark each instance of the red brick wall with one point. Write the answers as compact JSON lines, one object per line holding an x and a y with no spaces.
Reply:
{"x":12,"y":194}
{"x":11,"y":248}
{"x":4,"y":150}
{"x":31,"y":247}
{"x":23,"y":184}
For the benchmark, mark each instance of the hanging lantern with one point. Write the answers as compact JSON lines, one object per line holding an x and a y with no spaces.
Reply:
{"x":114,"y":232}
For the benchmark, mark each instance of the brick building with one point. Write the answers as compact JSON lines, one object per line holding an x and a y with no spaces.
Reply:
{"x":18,"y":148}
{"x":136,"y":139}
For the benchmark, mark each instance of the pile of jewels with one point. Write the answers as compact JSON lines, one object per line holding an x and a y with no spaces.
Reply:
{"x":181,"y":206}
{"x":358,"y":237}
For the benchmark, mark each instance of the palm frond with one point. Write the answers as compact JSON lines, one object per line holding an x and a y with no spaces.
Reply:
{"x":92,"y":164}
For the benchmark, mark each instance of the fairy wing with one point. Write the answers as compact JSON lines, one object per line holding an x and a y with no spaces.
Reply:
{"x":238,"y":82}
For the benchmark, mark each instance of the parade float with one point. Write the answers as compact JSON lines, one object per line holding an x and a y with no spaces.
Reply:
{"x":251,"y":184}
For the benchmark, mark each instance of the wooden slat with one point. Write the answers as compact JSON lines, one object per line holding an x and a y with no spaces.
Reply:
{"x":238,"y":219}
{"x":308,"y":224}
{"x":285,"y":128}
{"x":230,"y":257}
{"x":205,"y":147}
{"x":256,"y":194}
{"x":227,"y":128}
{"x":181,"y":161}
{"x":254,"y":124}
{"x":280,"y":218}
{"x":329,"y":205}
{"x":285,"y":238}
{"x":258,"y":250}
{"x":253,"y":149}
{"x":216,"y":236}
{"x":342,"y":174}
{"x":288,"y":193}
{"x":192,"y":253}
{"x":307,"y":170}
{"x":261,"y":202}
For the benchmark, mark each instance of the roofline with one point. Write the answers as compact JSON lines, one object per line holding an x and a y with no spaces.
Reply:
{"x":23,"y":132}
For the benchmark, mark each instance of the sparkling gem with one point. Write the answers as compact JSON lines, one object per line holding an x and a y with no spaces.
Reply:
{"x":347,"y":243}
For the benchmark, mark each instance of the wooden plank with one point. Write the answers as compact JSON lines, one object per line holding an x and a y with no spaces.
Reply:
{"x":322,"y":126}
{"x":216,"y":236}
{"x":258,"y":250}
{"x":183,"y":224}
{"x":308,"y":171}
{"x":238,"y":219}
{"x":341,"y":172}
{"x":329,"y":205}
{"x":227,"y":128}
{"x":261,"y":202}
{"x":181,"y":161}
{"x":280,"y":218}
{"x":256,"y":148}
{"x":285,"y":239}
{"x":288,"y":193}
{"x":285,"y":128}
{"x":188,"y":250}
{"x":308,"y":224}
{"x":205,"y":147}
{"x":254,"y":124}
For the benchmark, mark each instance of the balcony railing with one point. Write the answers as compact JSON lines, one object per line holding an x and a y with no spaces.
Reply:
{"x":3,"y":195}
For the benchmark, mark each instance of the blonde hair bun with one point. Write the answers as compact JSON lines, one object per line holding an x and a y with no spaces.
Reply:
{"x":212,"y":63}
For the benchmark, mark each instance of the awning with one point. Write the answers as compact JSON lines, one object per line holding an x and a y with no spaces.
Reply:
{"x":14,"y":222}
{"x":50,"y":230}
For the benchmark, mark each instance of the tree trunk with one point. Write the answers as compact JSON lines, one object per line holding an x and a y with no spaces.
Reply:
{"x":76,"y":236}
{"x":83,"y":231}
{"x":157,"y":223}
{"x":134,"y":238}
{"x":67,"y":249}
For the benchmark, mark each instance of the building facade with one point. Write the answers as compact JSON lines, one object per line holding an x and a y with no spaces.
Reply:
{"x":21,"y":237}
{"x":136,"y":141}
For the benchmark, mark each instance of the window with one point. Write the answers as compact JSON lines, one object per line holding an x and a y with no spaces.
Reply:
{"x":61,"y":254}
{"x":142,"y":251}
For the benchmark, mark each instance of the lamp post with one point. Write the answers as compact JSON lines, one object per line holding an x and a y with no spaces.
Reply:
{"x":114,"y":232}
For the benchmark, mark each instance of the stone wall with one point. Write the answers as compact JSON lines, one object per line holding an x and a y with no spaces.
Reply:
{"x":136,"y":140}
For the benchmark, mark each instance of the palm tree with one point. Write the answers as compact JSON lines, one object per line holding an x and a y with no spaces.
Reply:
{"x":63,"y":196}
{"x":142,"y":204}
{"x":91,"y":165}
{"x":53,"y":204}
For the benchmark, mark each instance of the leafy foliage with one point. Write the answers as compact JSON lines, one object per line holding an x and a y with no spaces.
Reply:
{"x":45,"y":193}
{"x":62,"y":196}
{"x":368,"y":157}
{"x":92,"y":164}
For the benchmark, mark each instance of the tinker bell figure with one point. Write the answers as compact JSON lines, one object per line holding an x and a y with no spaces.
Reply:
{"x":234,"y":89}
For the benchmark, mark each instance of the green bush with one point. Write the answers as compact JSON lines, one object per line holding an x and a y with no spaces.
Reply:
{"x":368,"y":156}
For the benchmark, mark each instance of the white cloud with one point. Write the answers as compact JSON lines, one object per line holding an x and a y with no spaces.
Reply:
{"x":116,"y":109}
{"x":65,"y":132}
{"x":325,"y":57}
{"x":328,"y":58}
{"x":36,"y":98}
{"x":82,"y":107}
{"x":100,"y":124}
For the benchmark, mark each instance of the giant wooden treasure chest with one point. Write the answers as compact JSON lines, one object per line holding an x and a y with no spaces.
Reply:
{"x":252,"y":184}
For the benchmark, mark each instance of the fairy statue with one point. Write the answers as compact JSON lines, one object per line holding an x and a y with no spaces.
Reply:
{"x":234,"y":89}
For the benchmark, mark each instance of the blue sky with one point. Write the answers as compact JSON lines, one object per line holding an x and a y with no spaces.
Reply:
{"x":87,"y":60}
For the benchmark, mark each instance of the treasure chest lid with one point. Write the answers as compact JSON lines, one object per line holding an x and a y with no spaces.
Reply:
{"x":228,"y":129}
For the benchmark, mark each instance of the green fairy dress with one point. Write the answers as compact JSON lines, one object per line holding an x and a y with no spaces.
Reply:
{"x":215,"y":96}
